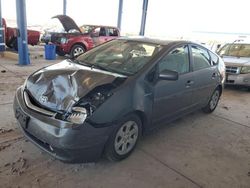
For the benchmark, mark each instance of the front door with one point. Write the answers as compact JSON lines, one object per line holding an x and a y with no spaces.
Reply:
{"x":173,"y":98}
{"x":99,"y":35}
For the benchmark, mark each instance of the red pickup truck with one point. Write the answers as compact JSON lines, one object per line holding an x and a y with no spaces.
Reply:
{"x":11,"y":36}
{"x":76,"y":40}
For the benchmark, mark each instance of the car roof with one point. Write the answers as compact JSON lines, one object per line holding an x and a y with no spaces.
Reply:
{"x":155,"y":40}
{"x":98,"y":26}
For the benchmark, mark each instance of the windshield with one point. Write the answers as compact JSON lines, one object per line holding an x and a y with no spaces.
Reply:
{"x":238,"y":50}
{"x":120,"y":56}
{"x":86,"y":29}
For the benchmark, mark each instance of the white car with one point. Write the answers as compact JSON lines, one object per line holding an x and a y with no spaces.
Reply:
{"x":237,"y":60}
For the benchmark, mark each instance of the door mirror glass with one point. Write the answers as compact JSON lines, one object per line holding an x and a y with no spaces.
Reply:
{"x":168,"y":75}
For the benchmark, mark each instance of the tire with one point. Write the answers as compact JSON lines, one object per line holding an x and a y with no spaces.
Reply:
{"x":124,"y":138}
{"x":8,"y":45}
{"x":76,"y":50}
{"x":213,"y":101}
{"x":60,"y":53}
{"x":15,"y":45}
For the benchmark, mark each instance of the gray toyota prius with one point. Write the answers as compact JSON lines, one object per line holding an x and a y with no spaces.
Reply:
{"x":106,"y":99}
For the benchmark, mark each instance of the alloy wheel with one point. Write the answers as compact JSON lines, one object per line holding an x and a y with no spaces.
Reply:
{"x":214,"y":100}
{"x":77,"y":51}
{"x":126,"y":137}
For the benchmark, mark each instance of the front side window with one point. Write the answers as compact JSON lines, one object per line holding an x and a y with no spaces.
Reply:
{"x":121,"y":56}
{"x":177,"y":60}
{"x":201,"y":59}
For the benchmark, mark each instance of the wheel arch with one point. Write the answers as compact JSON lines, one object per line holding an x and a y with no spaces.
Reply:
{"x":143,"y":118}
{"x":220,"y":88}
{"x":79,"y":43}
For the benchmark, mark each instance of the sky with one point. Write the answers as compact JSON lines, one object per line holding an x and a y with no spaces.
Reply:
{"x":164,"y":17}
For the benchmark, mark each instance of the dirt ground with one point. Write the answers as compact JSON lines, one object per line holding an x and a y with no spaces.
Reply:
{"x":198,"y":150}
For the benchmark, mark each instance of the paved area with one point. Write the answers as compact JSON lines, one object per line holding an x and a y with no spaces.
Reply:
{"x":198,"y":150}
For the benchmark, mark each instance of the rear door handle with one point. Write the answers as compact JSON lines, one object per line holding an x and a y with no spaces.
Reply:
{"x":189,"y":83}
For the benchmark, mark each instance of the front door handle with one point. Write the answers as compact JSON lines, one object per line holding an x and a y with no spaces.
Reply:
{"x":214,"y":75}
{"x":189,"y":83}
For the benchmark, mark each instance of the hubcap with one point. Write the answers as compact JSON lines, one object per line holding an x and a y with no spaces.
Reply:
{"x":78,"y":51}
{"x":214,"y":99}
{"x":126,"y":137}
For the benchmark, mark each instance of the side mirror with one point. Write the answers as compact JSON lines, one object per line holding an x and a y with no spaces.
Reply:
{"x":168,"y":75}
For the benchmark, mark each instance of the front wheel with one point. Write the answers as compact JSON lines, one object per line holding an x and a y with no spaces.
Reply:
{"x":60,"y":53}
{"x":213,"y":102}
{"x":76,"y":51}
{"x":124,"y":138}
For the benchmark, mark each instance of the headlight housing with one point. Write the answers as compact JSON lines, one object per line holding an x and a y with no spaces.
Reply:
{"x":78,"y":115}
{"x":245,"y":70}
{"x":85,"y":107}
{"x":64,"y":40}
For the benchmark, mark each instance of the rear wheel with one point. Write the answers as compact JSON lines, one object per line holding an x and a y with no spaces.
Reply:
{"x":123,"y":140}
{"x":76,"y":51}
{"x":213,"y":102}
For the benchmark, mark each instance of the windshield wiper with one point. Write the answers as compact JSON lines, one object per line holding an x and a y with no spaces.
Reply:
{"x":97,"y":66}
{"x":100,"y":67}
{"x":82,"y":63}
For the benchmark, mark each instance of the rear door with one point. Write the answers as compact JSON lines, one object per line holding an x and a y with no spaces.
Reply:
{"x":205,"y":74}
{"x":173,"y":98}
{"x":112,"y":33}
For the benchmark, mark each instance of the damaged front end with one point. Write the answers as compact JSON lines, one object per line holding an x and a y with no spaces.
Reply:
{"x":87,"y":105}
{"x":70,"y":92}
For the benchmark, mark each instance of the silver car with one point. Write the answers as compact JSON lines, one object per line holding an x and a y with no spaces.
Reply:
{"x":237,"y":60}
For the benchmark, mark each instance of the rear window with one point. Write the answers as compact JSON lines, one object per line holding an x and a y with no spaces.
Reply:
{"x":238,"y":50}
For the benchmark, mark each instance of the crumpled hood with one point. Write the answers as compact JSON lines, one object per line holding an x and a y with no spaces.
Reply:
{"x":235,"y":61}
{"x":59,"y":86}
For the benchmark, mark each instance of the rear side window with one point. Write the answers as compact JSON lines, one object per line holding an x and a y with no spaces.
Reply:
{"x":113,"y":32}
{"x":201,"y":59}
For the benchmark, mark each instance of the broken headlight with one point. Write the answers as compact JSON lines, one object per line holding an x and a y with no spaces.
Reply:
{"x":78,"y":115}
{"x":94,"y":99}
{"x":84,"y":108}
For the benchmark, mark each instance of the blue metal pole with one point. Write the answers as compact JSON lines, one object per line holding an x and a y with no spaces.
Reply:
{"x":64,"y":7}
{"x":23,"y":51}
{"x":119,"y":20}
{"x":2,"y":31}
{"x":144,"y":17}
